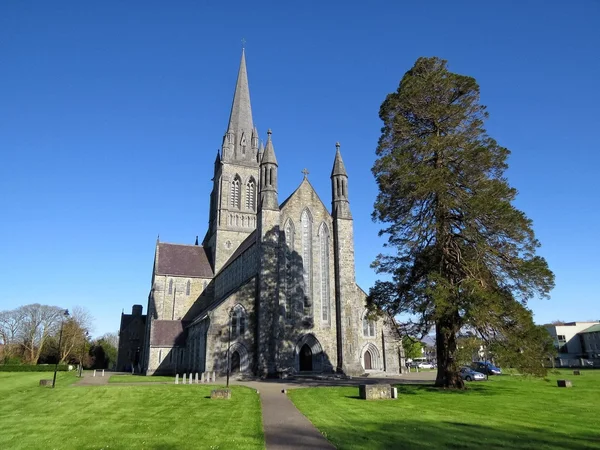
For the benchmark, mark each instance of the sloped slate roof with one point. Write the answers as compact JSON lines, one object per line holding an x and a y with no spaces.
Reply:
{"x":592,"y":329}
{"x":168,"y":333}
{"x":183,"y":260}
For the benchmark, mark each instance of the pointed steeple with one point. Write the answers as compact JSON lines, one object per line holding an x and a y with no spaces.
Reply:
{"x":338,"y":163}
{"x":339,"y":187}
{"x":269,"y":152}
{"x":268,"y":177}
{"x":238,"y":138}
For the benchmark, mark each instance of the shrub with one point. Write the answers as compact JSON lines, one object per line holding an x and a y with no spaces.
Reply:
{"x":36,"y":368}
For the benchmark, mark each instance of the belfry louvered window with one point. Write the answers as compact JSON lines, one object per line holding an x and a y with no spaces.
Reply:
{"x":235,"y":193}
{"x":251,"y":194}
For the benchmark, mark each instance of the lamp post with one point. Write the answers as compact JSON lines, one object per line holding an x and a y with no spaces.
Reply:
{"x":228,"y":347}
{"x":62,"y":322}
{"x":87,"y":335}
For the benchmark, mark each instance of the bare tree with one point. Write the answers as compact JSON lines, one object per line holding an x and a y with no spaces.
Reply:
{"x":111,"y":338}
{"x":74,"y":332}
{"x":39,"y":322}
{"x":10,"y":324}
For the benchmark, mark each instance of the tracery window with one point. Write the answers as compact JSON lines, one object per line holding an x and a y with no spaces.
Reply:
{"x":251,"y":194}
{"x":289,"y":231}
{"x":238,"y":321}
{"x":306,"y":220}
{"x":368,"y":326}
{"x":235,"y":192}
{"x":324,"y":272}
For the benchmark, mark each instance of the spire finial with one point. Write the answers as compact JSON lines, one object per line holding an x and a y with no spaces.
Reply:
{"x":243,"y":43}
{"x":269,"y":132}
{"x":196,"y":243}
{"x":305,"y":172}
{"x":337,"y":145}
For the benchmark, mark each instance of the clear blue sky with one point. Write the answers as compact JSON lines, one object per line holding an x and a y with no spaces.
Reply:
{"x":111,"y":114}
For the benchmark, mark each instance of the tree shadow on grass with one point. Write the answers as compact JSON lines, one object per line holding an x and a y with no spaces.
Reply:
{"x":478,"y":388}
{"x":414,"y":434}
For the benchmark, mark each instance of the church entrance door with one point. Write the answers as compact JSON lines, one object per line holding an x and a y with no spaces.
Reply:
{"x":306,"y":363}
{"x":368,"y":360}
{"x":235,"y":362}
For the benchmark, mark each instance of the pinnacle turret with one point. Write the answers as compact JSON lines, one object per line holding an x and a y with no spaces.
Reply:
{"x":338,"y":163}
{"x":339,"y":187}
{"x":268,"y":177}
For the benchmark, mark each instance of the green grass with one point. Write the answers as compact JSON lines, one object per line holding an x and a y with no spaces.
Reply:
{"x":514,"y":412}
{"x":141,"y":379}
{"x":124,"y":417}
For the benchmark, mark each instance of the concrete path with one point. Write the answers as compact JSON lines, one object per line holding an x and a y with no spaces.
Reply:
{"x":285,"y":427}
{"x":89,"y":379}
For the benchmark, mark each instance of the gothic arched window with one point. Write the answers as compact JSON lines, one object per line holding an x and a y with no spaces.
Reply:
{"x":238,"y":321}
{"x":306,"y":220}
{"x":170,"y":286}
{"x":368,"y":326}
{"x":188,"y":287}
{"x":251,"y":194}
{"x":290,"y":232}
{"x":235,"y":192}
{"x":324,"y":272}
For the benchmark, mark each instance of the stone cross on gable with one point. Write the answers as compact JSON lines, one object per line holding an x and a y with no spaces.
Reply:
{"x":305,"y":172}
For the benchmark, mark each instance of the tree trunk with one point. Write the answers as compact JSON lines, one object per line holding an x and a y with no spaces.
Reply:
{"x":445,"y":336}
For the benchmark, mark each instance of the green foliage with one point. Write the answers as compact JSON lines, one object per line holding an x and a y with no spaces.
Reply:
{"x":412,"y":347}
{"x":509,"y":412}
{"x":464,"y":255}
{"x":32,"y":368}
{"x":103,"y":354}
{"x":467,"y":350}
{"x":125,"y":417}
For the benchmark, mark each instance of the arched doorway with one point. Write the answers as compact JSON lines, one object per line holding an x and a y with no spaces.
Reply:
{"x":235,"y":362}
{"x":368,"y":361}
{"x":306,"y":364}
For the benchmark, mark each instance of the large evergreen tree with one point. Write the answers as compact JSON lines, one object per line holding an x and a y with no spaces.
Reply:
{"x":464,"y":255}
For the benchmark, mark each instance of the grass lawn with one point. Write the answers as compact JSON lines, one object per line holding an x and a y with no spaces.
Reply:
{"x":141,"y":379}
{"x":506,"y":412}
{"x":124,"y":417}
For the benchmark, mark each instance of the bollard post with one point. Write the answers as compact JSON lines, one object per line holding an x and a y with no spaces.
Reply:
{"x":94,"y":372}
{"x":214,"y":376}
{"x":202,"y":377}
{"x":177,"y":379}
{"x":183,"y":378}
{"x":102,"y":372}
{"x":191,"y":379}
{"x":196,"y":380}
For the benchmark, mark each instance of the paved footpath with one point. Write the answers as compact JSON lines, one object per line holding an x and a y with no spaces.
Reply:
{"x":285,"y":427}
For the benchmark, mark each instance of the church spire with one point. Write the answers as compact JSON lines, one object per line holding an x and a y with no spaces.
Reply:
{"x":240,"y":137}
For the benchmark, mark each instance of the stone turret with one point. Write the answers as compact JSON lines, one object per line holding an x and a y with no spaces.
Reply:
{"x":347,"y":322}
{"x":268,"y":177}
{"x":339,"y":187}
{"x":268,"y":252}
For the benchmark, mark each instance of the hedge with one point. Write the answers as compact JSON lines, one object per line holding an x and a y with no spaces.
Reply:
{"x":37,"y":368}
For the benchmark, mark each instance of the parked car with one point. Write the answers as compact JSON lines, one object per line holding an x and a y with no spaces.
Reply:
{"x":469,"y":374}
{"x":486,"y":367}
{"x":425,"y":365}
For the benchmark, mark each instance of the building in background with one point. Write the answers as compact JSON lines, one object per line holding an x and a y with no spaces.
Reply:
{"x":131,"y":340}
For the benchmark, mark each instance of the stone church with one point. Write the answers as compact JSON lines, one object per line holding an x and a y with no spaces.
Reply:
{"x":273,"y":282}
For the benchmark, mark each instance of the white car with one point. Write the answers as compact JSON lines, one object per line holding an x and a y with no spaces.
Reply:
{"x":425,"y":365}
{"x":469,"y":374}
